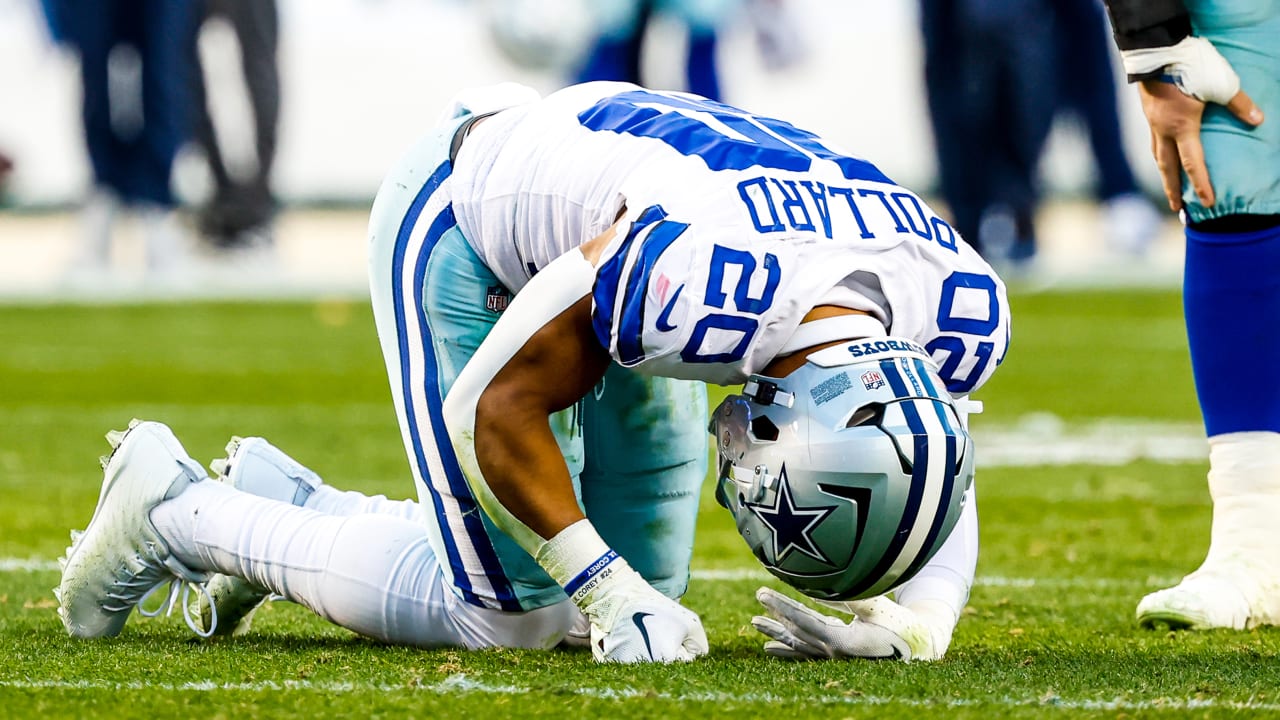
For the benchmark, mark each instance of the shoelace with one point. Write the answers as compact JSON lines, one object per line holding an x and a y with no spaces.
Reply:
{"x":158,"y":571}
{"x":184,"y":587}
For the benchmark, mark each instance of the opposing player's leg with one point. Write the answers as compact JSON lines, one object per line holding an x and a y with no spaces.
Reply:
{"x":1232,"y":298}
{"x":1232,"y":303}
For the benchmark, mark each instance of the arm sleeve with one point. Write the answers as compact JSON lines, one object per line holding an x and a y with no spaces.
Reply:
{"x":1148,"y":23}
{"x":558,"y":286}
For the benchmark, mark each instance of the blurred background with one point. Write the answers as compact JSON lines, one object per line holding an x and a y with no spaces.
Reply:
{"x":310,"y":101}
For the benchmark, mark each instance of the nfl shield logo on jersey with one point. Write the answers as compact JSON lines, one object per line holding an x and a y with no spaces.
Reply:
{"x":872,"y":380}
{"x":497,"y":299}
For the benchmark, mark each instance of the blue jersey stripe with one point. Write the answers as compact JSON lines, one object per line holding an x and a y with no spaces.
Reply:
{"x":457,"y":483}
{"x":604,"y":292}
{"x":631,"y":322}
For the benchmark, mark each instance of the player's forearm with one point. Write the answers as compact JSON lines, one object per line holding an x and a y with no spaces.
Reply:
{"x":523,"y":467}
{"x":540,"y":357}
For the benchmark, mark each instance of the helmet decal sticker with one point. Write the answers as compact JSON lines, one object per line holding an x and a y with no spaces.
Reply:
{"x":792,"y":527}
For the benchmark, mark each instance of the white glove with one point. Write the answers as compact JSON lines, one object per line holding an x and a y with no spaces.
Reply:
{"x":880,"y":629}
{"x":1195,"y":66}
{"x":632,"y":622}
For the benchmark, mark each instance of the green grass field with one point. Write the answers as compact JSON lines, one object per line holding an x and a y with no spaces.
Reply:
{"x":1068,"y":546}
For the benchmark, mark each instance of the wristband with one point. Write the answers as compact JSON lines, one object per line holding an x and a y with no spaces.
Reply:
{"x":580,"y":561}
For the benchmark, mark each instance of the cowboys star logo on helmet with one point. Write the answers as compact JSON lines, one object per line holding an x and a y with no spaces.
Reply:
{"x":845,"y":476}
{"x":792,"y":526}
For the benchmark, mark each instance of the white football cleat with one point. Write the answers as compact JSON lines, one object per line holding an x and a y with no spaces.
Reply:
{"x":120,"y":558}
{"x":1224,"y":597}
{"x":257,"y":467}
{"x":1238,"y":585}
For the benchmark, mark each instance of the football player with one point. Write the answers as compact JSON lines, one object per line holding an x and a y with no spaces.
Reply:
{"x":645,"y":242}
{"x":1220,"y":166}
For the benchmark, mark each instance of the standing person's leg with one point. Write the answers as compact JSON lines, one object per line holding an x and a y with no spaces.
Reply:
{"x":1022,"y":113}
{"x":1088,"y":78}
{"x":704,"y":19}
{"x":257,"y":25}
{"x":615,"y":54}
{"x":956,"y":92}
{"x":1232,"y":306}
{"x":91,"y":29}
{"x":167,"y":38}
{"x":209,"y":220}
{"x":1087,"y":75}
{"x":247,"y":206}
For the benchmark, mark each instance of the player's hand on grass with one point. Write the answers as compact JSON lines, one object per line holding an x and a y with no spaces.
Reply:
{"x":631,"y":622}
{"x":1192,"y":73}
{"x":880,"y":629}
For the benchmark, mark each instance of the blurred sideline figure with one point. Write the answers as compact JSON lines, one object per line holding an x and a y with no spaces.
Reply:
{"x":1196,"y":66}
{"x":621,"y":25}
{"x":136,"y":71}
{"x":988,"y":68}
{"x":548,"y":275}
{"x":604,"y":40}
{"x":239,"y":214}
{"x":1088,"y":90}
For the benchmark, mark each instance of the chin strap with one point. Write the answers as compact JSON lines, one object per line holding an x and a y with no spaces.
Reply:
{"x":830,"y":329}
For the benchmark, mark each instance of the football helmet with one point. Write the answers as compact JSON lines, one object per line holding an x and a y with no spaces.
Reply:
{"x":847,"y":475}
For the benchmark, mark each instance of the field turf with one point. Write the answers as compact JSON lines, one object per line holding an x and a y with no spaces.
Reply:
{"x":1068,"y":547}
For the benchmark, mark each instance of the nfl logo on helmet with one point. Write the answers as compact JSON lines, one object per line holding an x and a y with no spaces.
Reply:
{"x":872,"y":380}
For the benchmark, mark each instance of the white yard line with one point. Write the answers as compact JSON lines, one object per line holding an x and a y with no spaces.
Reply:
{"x":461,"y":684}
{"x":1045,"y":439}
{"x":32,"y":565}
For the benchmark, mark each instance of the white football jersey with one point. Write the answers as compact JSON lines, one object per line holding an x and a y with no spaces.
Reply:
{"x":737,"y":225}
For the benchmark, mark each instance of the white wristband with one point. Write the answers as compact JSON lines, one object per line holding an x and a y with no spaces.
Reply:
{"x":581,"y":562}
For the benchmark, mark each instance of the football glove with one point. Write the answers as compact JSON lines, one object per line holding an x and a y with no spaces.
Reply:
{"x":880,"y":629}
{"x":1194,"y":65}
{"x":632,"y":622}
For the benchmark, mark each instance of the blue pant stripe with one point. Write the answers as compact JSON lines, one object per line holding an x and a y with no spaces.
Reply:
{"x":457,"y":483}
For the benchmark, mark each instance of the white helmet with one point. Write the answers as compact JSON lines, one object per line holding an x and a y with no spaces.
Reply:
{"x":847,"y":475}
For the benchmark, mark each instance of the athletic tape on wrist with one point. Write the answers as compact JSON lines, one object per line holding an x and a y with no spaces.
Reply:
{"x":1194,"y":65}
{"x":579,"y":560}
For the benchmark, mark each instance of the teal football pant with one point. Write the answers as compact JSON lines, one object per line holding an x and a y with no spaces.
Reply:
{"x":635,"y":448}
